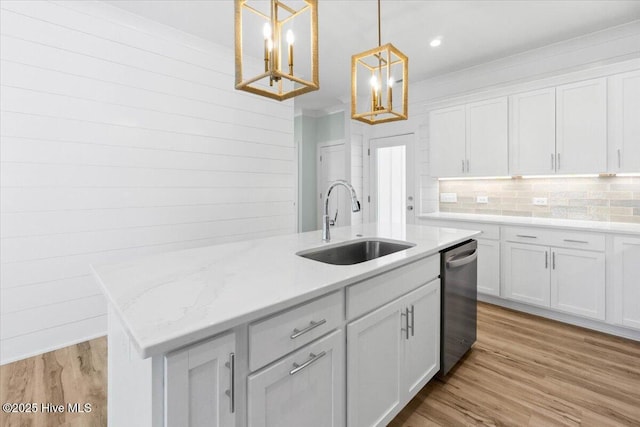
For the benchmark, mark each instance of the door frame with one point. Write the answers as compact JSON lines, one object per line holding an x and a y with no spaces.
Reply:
{"x":319,"y":188}
{"x":411,"y":156}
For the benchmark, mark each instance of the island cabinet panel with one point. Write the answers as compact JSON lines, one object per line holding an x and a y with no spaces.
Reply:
{"x":373,"y":293}
{"x":391,"y":354}
{"x":303,"y":389}
{"x":199,"y":384}
{"x":626,"y":281}
{"x":278,"y":335}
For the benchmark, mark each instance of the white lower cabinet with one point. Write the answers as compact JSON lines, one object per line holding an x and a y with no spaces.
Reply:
{"x":305,"y":388}
{"x":489,"y":267}
{"x":568,"y":280}
{"x":526,"y":273}
{"x":578,"y":282}
{"x":199,"y":389}
{"x":626,"y":281}
{"x":391,"y":353}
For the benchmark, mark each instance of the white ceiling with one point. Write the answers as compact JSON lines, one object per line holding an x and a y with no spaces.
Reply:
{"x":473,"y":31}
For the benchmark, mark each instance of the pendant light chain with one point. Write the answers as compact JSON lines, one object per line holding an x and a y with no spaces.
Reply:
{"x":379,"y":37}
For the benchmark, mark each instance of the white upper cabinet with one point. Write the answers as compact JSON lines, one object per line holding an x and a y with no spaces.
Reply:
{"x":447,"y":135}
{"x":581,"y":127}
{"x":469,"y":140}
{"x":487,"y":138}
{"x":624,"y":122}
{"x":532,"y":133}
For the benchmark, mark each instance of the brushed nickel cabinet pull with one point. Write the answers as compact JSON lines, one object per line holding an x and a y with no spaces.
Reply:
{"x":231,"y":392}
{"x":526,"y":236}
{"x":619,"y":159}
{"x":552,"y":164}
{"x":462,"y":166}
{"x":312,"y":359}
{"x":575,"y":241}
{"x":558,"y":162}
{"x":553,"y":255}
{"x":412,"y":319}
{"x":312,"y":325}
{"x":546,"y":260}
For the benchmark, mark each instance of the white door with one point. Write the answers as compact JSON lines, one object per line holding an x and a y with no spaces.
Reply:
{"x":527,"y":273}
{"x":581,"y":127}
{"x":626,"y":281}
{"x":374,"y":366}
{"x":532,"y":142}
{"x":624,"y":126}
{"x":489,"y":267}
{"x":332,"y":168}
{"x":487,"y":138}
{"x":304,"y":389}
{"x":422,"y":344}
{"x":447,"y":141}
{"x":578,"y":282}
{"x":198,"y":385}
{"x":392,"y":180}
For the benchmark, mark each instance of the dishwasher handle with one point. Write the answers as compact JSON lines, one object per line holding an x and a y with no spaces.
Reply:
{"x":455,"y":263}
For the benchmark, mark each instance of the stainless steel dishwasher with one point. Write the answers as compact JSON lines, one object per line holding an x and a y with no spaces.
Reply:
{"x":459,"y":276}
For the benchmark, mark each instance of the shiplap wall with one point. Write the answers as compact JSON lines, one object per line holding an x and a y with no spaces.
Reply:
{"x":120,"y":137}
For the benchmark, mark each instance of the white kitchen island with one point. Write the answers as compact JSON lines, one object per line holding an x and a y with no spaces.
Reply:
{"x":251,"y":334}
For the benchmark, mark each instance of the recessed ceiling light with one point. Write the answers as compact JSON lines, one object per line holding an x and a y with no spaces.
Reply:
{"x":436,"y":42}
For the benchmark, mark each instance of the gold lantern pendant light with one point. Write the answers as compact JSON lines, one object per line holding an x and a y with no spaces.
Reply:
{"x":267,"y":27}
{"x":378,"y":73}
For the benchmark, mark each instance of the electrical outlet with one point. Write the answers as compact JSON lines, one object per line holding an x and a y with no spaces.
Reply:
{"x":449,"y":197}
{"x":482,"y":199}
{"x":540,"y":201}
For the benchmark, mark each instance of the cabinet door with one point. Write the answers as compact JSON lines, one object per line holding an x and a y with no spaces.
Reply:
{"x":581,"y":127}
{"x":374,"y":366}
{"x":489,"y":267}
{"x":532,"y":142}
{"x":447,"y":142}
{"x":578,"y":282}
{"x":624,"y":126}
{"x":626,"y":281}
{"x":421,"y":359}
{"x":196,"y":383}
{"x":487,"y":145}
{"x":526,"y":273}
{"x":304,"y":389}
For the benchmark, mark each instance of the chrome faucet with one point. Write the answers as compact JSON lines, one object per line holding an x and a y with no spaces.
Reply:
{"x":355,"y":206}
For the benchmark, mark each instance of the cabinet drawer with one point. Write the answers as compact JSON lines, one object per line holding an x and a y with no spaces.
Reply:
{"x":578,"y":240}
{"x":278,"y":335}
{"x":377,"y":291}
{"x":489,"y":231}
{"x":561,"y":239}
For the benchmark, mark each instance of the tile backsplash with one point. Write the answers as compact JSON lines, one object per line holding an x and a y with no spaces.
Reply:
{"x":614,"y":199}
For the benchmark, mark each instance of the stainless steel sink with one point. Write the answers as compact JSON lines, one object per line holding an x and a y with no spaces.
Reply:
{"x":355,"y":252}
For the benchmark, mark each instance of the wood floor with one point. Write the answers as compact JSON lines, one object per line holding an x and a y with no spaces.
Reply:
{"x":75,"y":374}
{"x":529,"y":371}
{"x":523,"y":371}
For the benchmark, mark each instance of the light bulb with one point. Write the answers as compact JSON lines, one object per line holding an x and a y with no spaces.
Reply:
{"x":436,"y":42}
{"x":390,"y":82}
{"x":266,"y":31}
{"x":374,"y":82}
{"x":270,"y":45}
{"x":290,"y":37}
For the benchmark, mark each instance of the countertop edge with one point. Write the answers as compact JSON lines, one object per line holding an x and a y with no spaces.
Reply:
{"x":565,"y":224}
{"x":160,"y":347}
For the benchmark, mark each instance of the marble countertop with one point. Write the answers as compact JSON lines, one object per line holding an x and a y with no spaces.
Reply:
{"x":170,"y":300}
{"x":565,"y":224}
